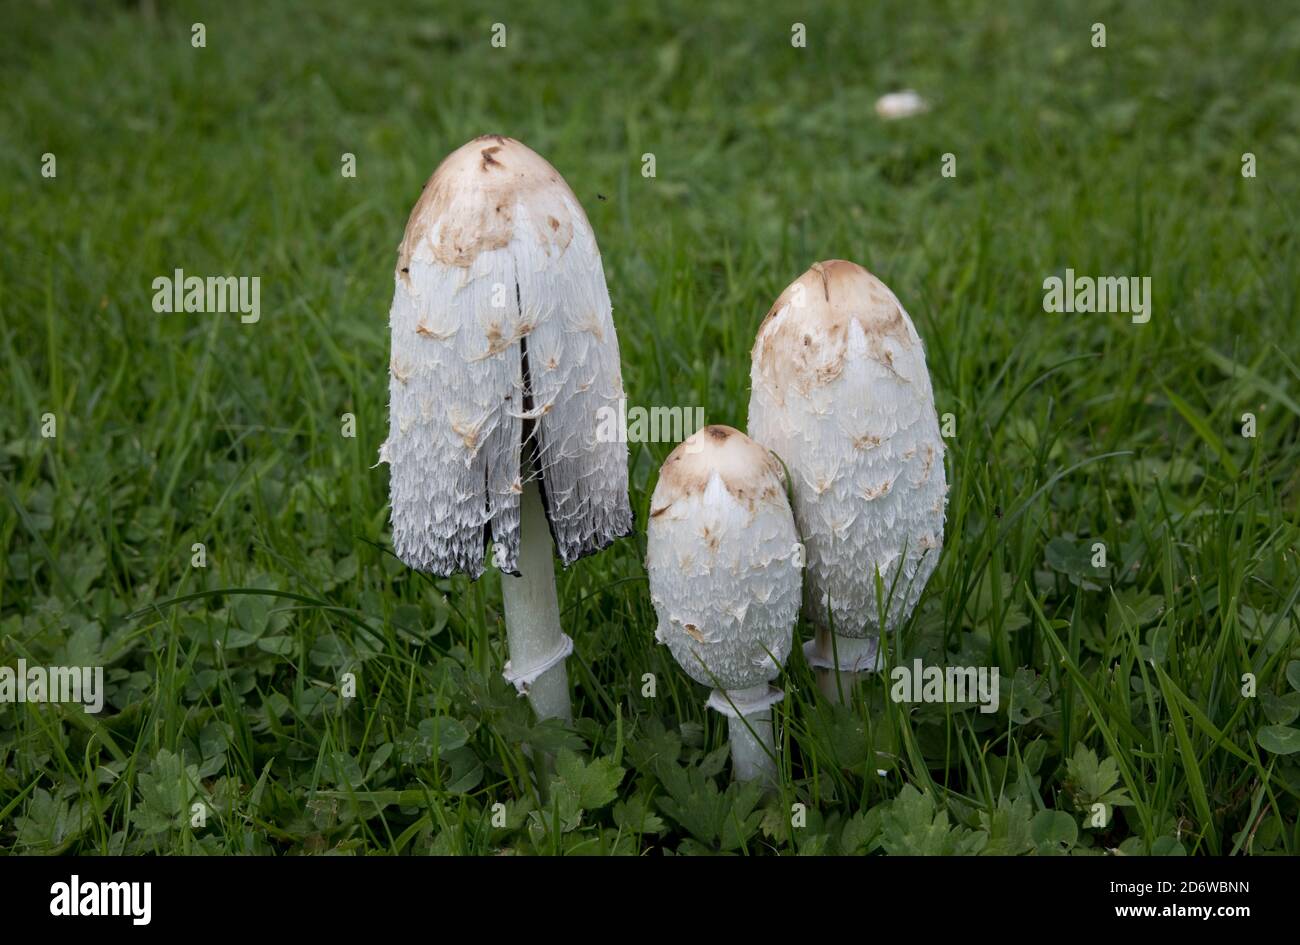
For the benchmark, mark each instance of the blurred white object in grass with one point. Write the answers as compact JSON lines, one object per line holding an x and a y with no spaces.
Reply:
{"x":902,"y":104}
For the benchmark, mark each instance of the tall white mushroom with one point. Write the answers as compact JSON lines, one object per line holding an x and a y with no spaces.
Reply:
{"x":841,"y":393}
{"x":722,"y":555}
{"x":503,"y":354}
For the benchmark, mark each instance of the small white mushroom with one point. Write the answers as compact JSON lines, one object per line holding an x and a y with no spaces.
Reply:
{"x":499,"y":265}
{"x":722,"y":554}
{"x":840,"y":392}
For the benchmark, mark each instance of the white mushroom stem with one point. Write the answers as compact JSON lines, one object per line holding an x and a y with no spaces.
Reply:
{"x":538,"y":646}
{"x":751,"y":730}
{"x":753,"y":747}
{"x":841,"y":662}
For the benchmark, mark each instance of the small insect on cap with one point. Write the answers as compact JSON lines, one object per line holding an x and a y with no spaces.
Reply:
{"x":504,"y":363}
{"x":723,"y":559}
{"x":840,"y":391}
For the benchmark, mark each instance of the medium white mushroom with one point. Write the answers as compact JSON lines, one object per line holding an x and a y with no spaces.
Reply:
{"x":840,"y":392}
{"x":503,"y":354}
{"x":723,"y":558}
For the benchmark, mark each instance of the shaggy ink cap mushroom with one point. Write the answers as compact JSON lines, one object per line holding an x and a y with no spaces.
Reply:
{"x":840,"y":391}
{"x":720,"y":551}
{"x":723,"y":560}
{"x":503,"y":354}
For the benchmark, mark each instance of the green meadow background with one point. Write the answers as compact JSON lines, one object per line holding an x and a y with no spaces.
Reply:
{"x":1148,"y":706}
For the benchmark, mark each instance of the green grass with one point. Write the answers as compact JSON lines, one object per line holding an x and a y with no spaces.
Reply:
{"x":1121,"y":685}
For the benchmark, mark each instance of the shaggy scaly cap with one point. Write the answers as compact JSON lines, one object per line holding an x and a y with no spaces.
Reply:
{"x":503,"y":349}
{"x":721,"y":551}
{"x":841,"y":393}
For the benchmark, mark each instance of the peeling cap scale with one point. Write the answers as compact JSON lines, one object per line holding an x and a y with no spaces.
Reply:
{"x":723,"y":560}
{"x":840,"y":392}
{"x":503,"y":353}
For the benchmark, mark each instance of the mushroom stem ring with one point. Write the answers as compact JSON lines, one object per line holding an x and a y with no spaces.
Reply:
{"x":850,"y":654}
{"x":735,"y":703}
{"x":524,"y":678}
{"x":841,"y":662}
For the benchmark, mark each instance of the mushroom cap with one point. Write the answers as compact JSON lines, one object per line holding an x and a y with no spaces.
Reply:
{"x":722,"y":554}
{"x":503,"y":356}
{"x":840,"y":391}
